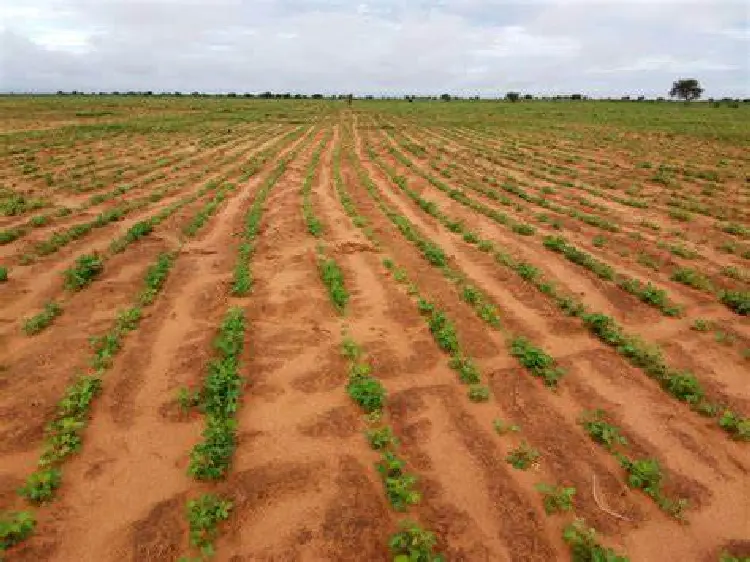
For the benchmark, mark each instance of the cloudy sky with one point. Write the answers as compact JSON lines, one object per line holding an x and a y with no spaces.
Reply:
{"x":468,"y":47}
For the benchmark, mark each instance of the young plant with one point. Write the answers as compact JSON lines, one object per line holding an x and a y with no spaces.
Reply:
{"x":204,"y":516}
{"x":3,"y":274}
{"x":479,"y":393}
{"x":413,"y":544}
{"x":87,"y":268}
{"x":584,"y":546}
{"x":333,"y":278}
{"x":381,"y":438}
{"x":39,"y":322}
{"x":539,"y":363}
{"x":40,"y":486}
{"x":601,"y":431}
{"x":366,"y":390}
{"x":398,"y":484}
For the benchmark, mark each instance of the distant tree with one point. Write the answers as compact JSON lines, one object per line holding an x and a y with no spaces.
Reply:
{"x":513,"y":96}
{"x":528,"y":97}
{"x":349,"y":99}
{"x":687,"y":89}
{"x":317,"y":96}
{"x":232,"y":95}
{"x":641,"y":98}
{"x":445,"y":97}
{"x":576,"y":97}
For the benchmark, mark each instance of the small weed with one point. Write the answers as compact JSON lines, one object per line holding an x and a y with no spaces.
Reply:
{"x":3,"y":274}
{"x":523,"y":229}
{"x":523,"y":457}
{"x":602,"y":431}
{"x":501,"y":427}
{"x":188,"y":399}
{"x":381,"y":438}
{"x":701,"y":325}
{"x":599,"y":241}
{"x":724,"y":338}
{"x":735,"y":273}
{"x":556,"y":498}
{"x":479,"y":393}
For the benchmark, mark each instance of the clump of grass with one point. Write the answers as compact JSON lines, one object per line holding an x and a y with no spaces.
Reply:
{"x":3,"y":274}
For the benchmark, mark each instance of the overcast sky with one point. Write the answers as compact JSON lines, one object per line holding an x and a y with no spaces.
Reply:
{"x":597,"y":47}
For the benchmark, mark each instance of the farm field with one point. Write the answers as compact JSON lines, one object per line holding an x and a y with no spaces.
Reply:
{"x":246,"y":329}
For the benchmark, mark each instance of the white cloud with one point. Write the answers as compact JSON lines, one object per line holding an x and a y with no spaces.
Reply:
{"x":603,"y":47}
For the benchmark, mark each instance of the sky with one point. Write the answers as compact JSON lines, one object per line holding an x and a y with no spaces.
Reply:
{"x":388,"y":47}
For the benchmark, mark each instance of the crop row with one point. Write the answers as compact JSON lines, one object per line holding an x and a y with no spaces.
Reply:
{"x":683,"y":386}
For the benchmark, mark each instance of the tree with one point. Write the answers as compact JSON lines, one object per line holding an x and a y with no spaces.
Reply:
{"x":513,"y":96}
{"x":445,"y":97}
{"x":687,"y":89}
